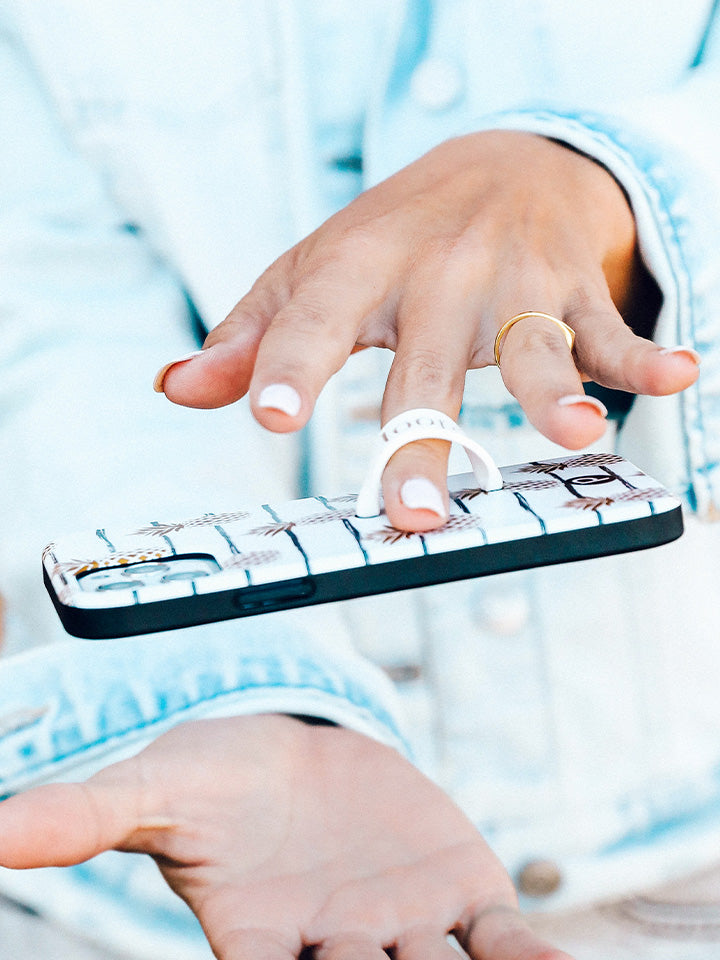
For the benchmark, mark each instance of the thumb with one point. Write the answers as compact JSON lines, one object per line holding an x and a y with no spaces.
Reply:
{"x":63,"y":824}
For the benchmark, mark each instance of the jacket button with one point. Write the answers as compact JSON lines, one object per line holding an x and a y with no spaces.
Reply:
{"x":539,"y":878}
{"x":436,"y":84}
{"x":403,"y":672}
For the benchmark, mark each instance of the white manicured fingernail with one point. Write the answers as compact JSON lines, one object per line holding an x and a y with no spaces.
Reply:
{"x":159,"y":380}
{"x":418,"y":493}
{"x":572,"y":398}
{"x":280,"y":396}
{"x":688,"y":351}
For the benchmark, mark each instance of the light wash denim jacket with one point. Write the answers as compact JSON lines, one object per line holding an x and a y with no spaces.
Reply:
{"x":155,"y":159}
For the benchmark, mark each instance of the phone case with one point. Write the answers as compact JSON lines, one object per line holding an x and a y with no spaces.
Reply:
{"x":166,"y":574}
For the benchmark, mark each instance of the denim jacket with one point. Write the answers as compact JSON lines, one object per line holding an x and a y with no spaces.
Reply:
{"x":156,"y":158}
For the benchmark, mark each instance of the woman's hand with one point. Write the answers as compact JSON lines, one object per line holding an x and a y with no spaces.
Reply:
{"x":282,"y":836}
{"x":431,"y":263}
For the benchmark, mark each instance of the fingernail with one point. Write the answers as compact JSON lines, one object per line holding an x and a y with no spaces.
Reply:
{"x":159,"y":380}
{"x":418,"y":493}
{"x":572,"y":398}
{"x":688,"y":351}
{"x":280,"y":396}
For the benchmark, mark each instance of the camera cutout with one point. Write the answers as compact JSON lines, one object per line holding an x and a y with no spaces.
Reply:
{"x":148,"y":573}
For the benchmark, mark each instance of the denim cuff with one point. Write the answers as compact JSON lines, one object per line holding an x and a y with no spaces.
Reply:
{"x":71,"y":708}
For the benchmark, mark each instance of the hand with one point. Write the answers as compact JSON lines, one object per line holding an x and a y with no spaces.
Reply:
{"x":282,"y":836}
{"x":430,"y":264}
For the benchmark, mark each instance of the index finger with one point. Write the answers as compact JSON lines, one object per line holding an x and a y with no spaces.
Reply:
{"x":428,"y":371}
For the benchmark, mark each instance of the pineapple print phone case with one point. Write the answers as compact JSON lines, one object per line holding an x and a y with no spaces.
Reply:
{"x":167,"y":573}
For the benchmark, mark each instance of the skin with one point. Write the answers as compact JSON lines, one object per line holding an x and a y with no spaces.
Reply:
{"x":430,"y":263}
{"x":277,"y":836}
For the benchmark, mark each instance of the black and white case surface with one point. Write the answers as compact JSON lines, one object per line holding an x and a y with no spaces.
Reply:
{"x":167,"y":573}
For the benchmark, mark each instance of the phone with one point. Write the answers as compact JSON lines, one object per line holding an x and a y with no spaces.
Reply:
{"x":166,"y":574}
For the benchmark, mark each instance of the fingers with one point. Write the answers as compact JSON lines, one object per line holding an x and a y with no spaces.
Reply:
{"x":350,"y":947}
{"x":307,"y":342}
{"x":499,"y":932}
{"x":507,"y":941}
{"x":246,"y":944}
{"x":496,"y":934}
{"x":537,"y":366}
{"x":609,"y":353}
{"x":428,"y":371}
{"x":546,"y":378}
{"x":63,"y":824}
{"x":220,"y":373}
{"x":425,"y":944}
{"x":250,"y":944}
{"x":286,"y":338}
{"x":539,"y":370}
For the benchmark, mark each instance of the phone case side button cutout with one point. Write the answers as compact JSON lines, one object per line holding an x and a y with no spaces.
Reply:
{"x":267,"y":596}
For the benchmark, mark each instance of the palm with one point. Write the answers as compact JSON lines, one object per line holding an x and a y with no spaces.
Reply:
{"x":282,"y":836}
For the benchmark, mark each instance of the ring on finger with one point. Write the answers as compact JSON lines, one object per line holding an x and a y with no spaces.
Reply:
{"x":568,"y":332}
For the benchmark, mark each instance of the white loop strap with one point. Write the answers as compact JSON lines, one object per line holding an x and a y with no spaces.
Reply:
{"x":422,"y":424}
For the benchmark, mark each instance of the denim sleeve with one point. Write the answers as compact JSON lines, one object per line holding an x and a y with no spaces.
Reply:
{"x":73,"y":707}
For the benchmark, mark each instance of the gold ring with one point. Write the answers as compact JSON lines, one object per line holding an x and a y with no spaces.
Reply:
{"x":568,"y":332}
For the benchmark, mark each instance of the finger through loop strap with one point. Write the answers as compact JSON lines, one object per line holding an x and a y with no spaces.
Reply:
{"x":421,"y":424}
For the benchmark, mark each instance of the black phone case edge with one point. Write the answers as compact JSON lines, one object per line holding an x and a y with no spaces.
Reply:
{"x":543,"y":550}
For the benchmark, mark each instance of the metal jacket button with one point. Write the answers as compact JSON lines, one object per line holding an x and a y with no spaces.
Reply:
{"x":539,"y":878}
{"x":403,"y":672}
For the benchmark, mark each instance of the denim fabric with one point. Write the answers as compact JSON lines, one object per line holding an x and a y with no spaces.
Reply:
{"x":143,"y":168}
